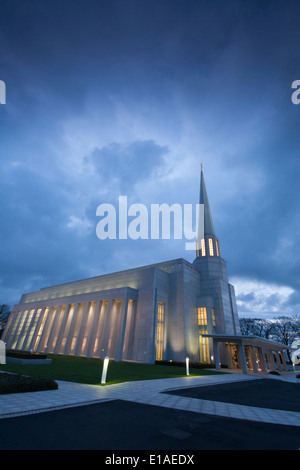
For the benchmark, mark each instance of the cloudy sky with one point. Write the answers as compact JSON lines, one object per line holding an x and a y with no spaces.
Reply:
{"x":127,"y":97}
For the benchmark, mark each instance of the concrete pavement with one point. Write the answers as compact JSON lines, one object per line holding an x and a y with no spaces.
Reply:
{"x":149,"y":392}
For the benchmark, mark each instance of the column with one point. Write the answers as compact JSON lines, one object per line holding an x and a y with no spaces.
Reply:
{"x":66,"y":349}
{"x":88,"y":305}
{"x":22,"y":326}
{"x":243,"y":357}
{"x":35,"y":328}
{"x":30,"y":326}
{"x":278,"y":361}
{"x":129,"y":330}
{"x":97,"y":325}
{"x":105,"y":337}
{"x":283,"y":360}
{"x":253,"y":359}
{"x":262,"y":360}
{"x":50,"y":329}
{"x":35,"y":334}
{"x":229,"y":356}
{"x":62,"y":328}
{"x":271,"y":359}
{"x":121,"y":332}
{"x":216,"y":354}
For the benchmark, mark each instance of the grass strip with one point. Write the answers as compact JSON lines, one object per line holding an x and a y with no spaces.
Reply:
{"x":89,"y":370}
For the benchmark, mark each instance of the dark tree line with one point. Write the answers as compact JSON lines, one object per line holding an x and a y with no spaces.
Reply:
{"x":4,"y":314}
{"x":282,"y":329}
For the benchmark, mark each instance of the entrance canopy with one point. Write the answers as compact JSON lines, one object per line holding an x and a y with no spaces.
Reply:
{"x":249,"y":353}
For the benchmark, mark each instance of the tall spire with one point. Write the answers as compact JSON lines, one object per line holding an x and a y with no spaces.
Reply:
{"x":207,"y":242}
{"x":208,"y":228}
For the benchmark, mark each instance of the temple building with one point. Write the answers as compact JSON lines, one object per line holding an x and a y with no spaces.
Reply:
{"x":162,"y":312}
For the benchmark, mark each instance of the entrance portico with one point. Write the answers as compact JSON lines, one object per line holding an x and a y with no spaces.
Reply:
{"x":249,"y":353}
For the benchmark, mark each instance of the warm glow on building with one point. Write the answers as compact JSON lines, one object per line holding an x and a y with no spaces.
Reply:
{"x":160,"y":331}
{"x":162,"y":312}
{"x":211,"y":247}
{"x":203,"y":252}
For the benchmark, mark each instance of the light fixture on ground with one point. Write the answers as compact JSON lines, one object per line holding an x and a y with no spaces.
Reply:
{"x":187,"y":362}
{"x":104,"y":370}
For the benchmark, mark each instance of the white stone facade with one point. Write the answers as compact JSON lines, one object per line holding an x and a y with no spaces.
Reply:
{"x":116,"y":315}
{"x":157,"y":312}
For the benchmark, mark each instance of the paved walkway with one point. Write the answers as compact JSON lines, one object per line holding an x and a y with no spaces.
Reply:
{"x":147,"y":392}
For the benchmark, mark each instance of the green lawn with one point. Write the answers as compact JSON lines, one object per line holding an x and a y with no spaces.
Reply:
{"x":86,"y":370}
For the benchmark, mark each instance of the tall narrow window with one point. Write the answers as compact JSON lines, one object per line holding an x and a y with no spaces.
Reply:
{"x":213,"y":316}
{"x":217,"y":248}
{"x":204,"y":350}
{"x":211,"y":247}
{"x":202,"y":317}
{"x":203,"y":253}
{"x":160,"y":331}
{"x":203,"y":341}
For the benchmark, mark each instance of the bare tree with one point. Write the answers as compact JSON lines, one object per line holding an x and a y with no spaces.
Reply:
{"x":281,"y":329}
{"x":4,"y":314}
{"x":296,"y":322}
{"x":247,"y":326}
{"x":264,"y":328}
{"x":256,"y":327}
{"x":286,"y":330}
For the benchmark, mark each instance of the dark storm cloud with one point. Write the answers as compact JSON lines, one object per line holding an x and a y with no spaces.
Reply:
{"x":123,"y":162}
{"x":155,"y":86}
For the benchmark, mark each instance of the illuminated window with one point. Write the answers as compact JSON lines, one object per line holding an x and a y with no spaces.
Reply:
{"x":73,"y":343}
{"x":213,"y":317}
{"x":43,"y":321}
{"x":204,"y":350}
{"x":63,"y":342}
{"x":211,"y":247}
{"x":160,"y":331}
{"x":84,"y":343}
{"x":203,"y":253}
{"x":217,"y":248}
{"x":96,"y":345}
{"x":41,"y":327}
{"x":202,"y":317}
{"x":57,"y":321}
{"x":25,"y":329}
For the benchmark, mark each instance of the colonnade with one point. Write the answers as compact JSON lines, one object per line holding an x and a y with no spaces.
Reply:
{"x":254,"y":355}
{"x":89,"y":328}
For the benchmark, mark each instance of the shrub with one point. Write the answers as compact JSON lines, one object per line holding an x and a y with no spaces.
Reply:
{"x":274,"y":372}
{"x":25,"y":354}
{"x":192,"y":365}
{"x":15,"y":383}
